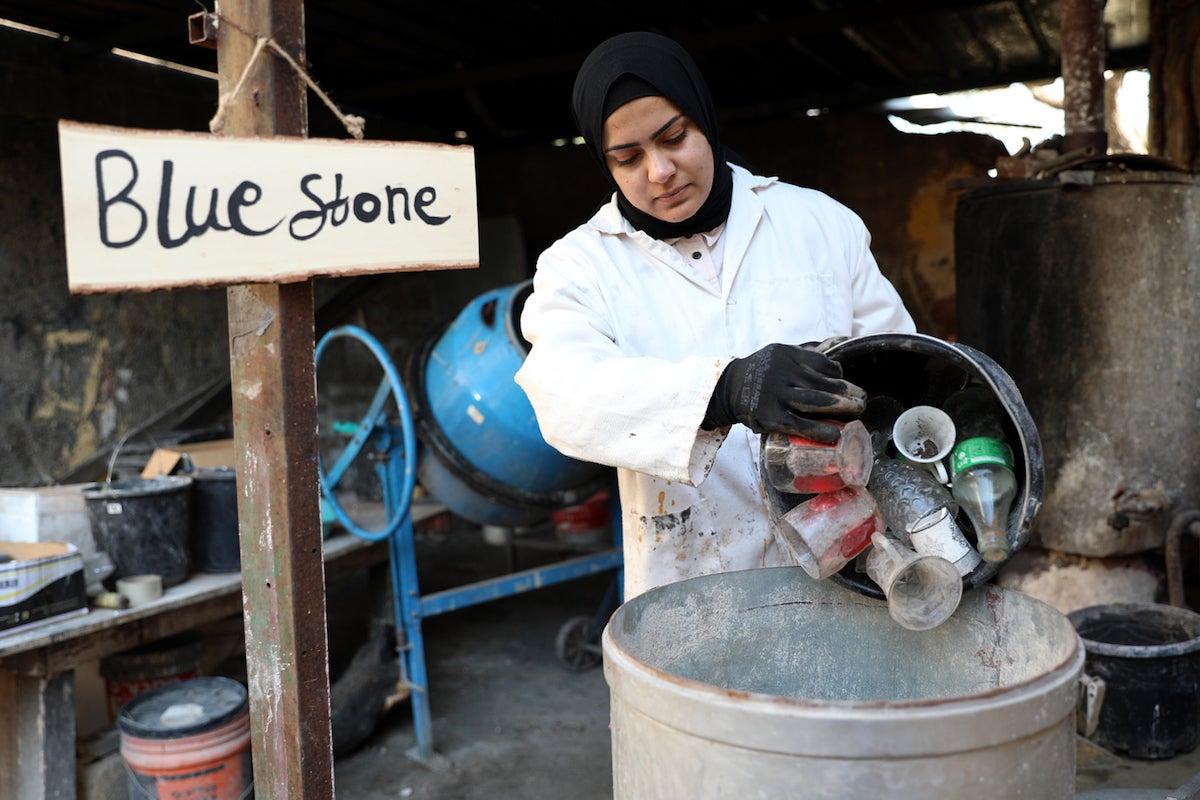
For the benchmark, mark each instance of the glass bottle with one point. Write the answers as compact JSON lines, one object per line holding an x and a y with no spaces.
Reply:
{"x":798,"y":465}
{"x":922,"y":590}
{"x":826,"y":532}
{"x":920,"y":512}
{"x":981,"y":469}
{"x":878,"y":418}
{"x":976,"y":412}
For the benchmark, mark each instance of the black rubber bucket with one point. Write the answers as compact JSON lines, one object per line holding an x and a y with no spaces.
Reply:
{"x":215,"y":543}
{"x":1149,"y":658}
{"x":916,"y":369}
{"x":144,"y":525}
{"x":129,"y":673}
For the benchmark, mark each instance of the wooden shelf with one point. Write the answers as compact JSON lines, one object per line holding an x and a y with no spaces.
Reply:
{"x":51,"y":646}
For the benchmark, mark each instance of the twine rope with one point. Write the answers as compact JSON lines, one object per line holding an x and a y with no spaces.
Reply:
{"x":353,"y":124}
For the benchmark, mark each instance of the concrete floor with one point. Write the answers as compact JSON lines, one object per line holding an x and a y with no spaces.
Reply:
{"x":510,"y":721}
{"x":1099,"y":770}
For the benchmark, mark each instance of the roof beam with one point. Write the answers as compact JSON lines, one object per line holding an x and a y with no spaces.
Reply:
{"x":801,"y":27}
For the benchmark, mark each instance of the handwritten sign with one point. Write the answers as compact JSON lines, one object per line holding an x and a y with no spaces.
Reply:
{"x":162,"y":209}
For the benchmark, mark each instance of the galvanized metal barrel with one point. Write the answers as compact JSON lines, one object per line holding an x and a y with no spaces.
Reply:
{"x":766,"y":683}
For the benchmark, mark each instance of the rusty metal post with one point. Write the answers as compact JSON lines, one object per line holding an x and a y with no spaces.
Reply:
{"x":1083,"y":50}
{"x":271,"y":341}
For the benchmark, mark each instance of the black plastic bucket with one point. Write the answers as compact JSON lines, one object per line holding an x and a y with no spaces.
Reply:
{"x":916,"y":369}
{"x":143,"y":525}
{"x":215,"y":543}
{"x":131,"y":672}
{"x":1149,"y":658}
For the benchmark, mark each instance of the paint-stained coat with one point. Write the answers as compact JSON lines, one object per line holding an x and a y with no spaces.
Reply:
{"x":628,"y":343}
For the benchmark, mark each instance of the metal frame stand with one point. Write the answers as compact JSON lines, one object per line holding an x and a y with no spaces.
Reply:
{"x":393,"y":447}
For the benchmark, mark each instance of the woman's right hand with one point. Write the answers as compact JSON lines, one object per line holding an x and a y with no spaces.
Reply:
{"x":786,"y":388}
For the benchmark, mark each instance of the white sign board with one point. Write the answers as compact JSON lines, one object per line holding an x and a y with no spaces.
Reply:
{"x":161,"y":209}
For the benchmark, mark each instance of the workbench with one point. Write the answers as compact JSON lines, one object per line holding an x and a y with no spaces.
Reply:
{"x":38,"y":661}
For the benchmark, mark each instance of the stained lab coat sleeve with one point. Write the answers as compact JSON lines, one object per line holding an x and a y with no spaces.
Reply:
{"x":599,"y":403}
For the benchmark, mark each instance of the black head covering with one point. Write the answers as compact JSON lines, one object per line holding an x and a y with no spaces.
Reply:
{"x":634,"y":65}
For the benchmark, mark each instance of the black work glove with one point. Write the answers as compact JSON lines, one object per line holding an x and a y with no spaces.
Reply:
{"x":781,"y":388}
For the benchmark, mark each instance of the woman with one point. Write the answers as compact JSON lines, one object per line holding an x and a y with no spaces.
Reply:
{"x":676,"y":312}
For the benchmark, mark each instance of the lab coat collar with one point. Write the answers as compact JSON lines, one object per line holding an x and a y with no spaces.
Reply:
{"x":744,"y":215}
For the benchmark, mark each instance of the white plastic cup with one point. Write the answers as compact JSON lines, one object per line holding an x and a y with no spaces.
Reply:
{"x":937,"y":534}
{"x":925,"y":435}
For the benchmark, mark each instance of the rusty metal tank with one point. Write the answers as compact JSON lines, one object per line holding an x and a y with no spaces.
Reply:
{"x":1085,"y":287}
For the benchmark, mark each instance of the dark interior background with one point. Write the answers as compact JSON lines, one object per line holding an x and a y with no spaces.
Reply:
{"x":800,"y":89}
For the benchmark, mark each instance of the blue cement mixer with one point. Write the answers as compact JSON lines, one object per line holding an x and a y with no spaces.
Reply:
{"x":483,"y":454}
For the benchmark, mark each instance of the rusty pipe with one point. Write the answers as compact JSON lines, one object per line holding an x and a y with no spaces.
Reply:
{"x":1083,"y":50}
{"x":1184,"y":521}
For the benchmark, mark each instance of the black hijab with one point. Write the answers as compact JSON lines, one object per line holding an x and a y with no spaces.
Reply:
{"x":634,"y":65}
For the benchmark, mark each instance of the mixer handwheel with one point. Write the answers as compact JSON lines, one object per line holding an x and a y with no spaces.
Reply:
{"x":396,"y":445}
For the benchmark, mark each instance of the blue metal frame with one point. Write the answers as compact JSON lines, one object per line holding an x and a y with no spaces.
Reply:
{"x":395,"y":456}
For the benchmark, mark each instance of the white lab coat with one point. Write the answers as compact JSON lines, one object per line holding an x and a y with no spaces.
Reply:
{"x":628,"y":343}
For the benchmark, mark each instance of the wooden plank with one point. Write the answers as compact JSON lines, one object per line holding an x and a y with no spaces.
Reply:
{"x":272,"y":374}
{"x":58,"y":645}
{"x":43,"y":759}
{"x":161,"y":209}
{"x":283,"y":585}
{"x":283,"y":582}
{"x":102,"y":640}
{"x":10,"y":735}
{"x":37,"y":749}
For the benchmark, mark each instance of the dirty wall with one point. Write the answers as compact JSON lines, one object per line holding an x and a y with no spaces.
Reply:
{"x":81,"y":371}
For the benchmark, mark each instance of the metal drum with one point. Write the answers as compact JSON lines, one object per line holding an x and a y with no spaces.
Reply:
{"x":483,"y":453}
{"x":1086,"y":288}
{"x":766,"y":683}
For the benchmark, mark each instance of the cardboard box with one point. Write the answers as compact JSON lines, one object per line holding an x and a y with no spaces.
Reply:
{"x":166,"y":460}
{"x":43,"y":580}
{"x":47,"y":514}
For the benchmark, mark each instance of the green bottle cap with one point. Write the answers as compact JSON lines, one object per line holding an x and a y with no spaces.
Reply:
{"x":980,"y":450}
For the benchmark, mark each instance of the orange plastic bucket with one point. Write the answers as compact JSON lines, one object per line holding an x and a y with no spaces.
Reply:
{"x":188,"y":740}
